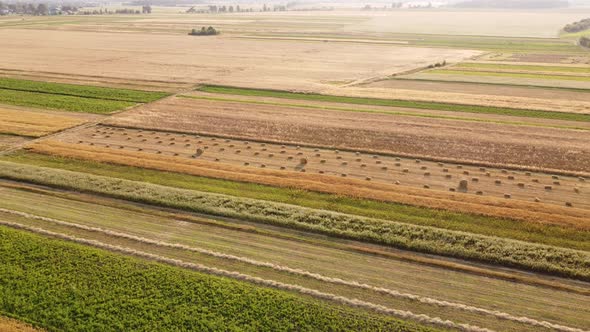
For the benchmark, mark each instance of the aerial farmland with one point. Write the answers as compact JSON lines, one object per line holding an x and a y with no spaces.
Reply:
{"x":329,"y":166}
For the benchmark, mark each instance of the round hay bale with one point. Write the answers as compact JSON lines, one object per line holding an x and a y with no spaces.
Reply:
{"x":557,"y":183}
{"x":368,"y":178}
{"x":452,"y":189}
{"x":426,"y":173}
{"x":548,"y":187}
{"x":498,"y":182}
{"x":479,"y":193}
{"x":463,"y":184}
{"x":246,"y":164}
{"x":577,"y":190}
{"x":405,"y":170}
{"x":323,"y":161}
{"x":426,"y":186}
{"x":446,"y":170}
{"x":520,"y":185}
{"x":378,"y":162}
{"x":363,"y":165}
{"x":397,"y":182}
{"x":568,"y":204}
{"x":321,"y":172}
{"x":474,"y":179}
{"x":507,"y":196}
{"x":423,"y":167}
{"x":303,"y":161}
{"x":448,"y":176}
{"x":537,"y":199}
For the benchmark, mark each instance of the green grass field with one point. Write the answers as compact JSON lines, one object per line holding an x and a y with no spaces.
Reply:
{"x":70,"y":97}
{"x":517,"y":230}
{"x":547,"y":68}
{"x":514,"y":75}
{"x":63,"y":286}
{"x":523,"y":255}
{"x":103,"y":93}
{"x":396,"y":103}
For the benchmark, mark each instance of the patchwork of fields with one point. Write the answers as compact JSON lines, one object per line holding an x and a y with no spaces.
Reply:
{"x":345,"y":170}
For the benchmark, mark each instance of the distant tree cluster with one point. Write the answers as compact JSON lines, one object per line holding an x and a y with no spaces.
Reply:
{"x":215,"y":9}
{"x":125,"y":11}
{"x":34,"y":9}
{"x":578,"y":26}
{"x":584,"y":42}
{"x":210,"y":31}
{"x":438,"y":64}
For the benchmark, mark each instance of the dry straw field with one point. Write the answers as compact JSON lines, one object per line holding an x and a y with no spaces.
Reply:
{"x":300,"y":171}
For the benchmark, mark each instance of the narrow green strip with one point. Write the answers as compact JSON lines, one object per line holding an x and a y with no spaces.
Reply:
{"x":397,"y":103}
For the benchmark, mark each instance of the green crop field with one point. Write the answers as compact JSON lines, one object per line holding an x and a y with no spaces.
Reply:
{"x":506,"y":74}
{"x":63,"y":286}
{"x":70,"y":97}
{"x":104,"y":93}
{"x":535,"y":257}
{"x":517,"y":230}
{"x":397,"y":103}
{"x":547,"y":68}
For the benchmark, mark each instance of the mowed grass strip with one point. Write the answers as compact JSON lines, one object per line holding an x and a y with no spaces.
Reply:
{"x":64,"y":286}
{"x":566,"y":237}
{"x":104,"y":93}
{"x":62,"y":102}
{"x":396,"y":103}
{"x":493,"y":250}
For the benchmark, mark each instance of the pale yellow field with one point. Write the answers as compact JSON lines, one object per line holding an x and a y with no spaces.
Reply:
{"x":34,"y":124}
{"x":221,"y":60}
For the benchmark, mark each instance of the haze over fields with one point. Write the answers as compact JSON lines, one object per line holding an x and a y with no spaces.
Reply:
{"x":404,"y":166}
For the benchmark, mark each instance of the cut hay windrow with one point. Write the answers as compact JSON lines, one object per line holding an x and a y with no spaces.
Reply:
{"x":519,"y":254}
{"x":403,"y":314}
{"x":304,"y":273}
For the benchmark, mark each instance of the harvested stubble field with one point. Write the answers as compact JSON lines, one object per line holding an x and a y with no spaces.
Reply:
{"x":303,"y":260}
{"x":486,"y":143}
{"x":9,"y":141}
{"x":555,"y":99}
{"x":236,"y":61}
{"x":489,"y":182}
{"x":98,"y":81}
{"x":34,"y":124}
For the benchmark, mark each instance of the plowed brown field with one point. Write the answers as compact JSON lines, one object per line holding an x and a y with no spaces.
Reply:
{"x":486,"y":143}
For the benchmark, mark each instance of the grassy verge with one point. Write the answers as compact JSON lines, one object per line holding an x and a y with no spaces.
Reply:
{"x":396,"y":103}
{"x":69,"y":287}
{"x":508,"y":74}
{"x":523,"y":255}
{"x":524,"y":231}
{"x":135,"y":96}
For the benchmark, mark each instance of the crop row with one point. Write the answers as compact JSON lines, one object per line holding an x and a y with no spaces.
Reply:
{"x":397,"y":103}
{"x":69,"y":287}
{"x":542,"y":258}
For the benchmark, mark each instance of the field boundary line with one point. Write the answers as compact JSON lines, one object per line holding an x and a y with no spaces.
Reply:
{"x":421,"y":318}
{"x":304,"y":273}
